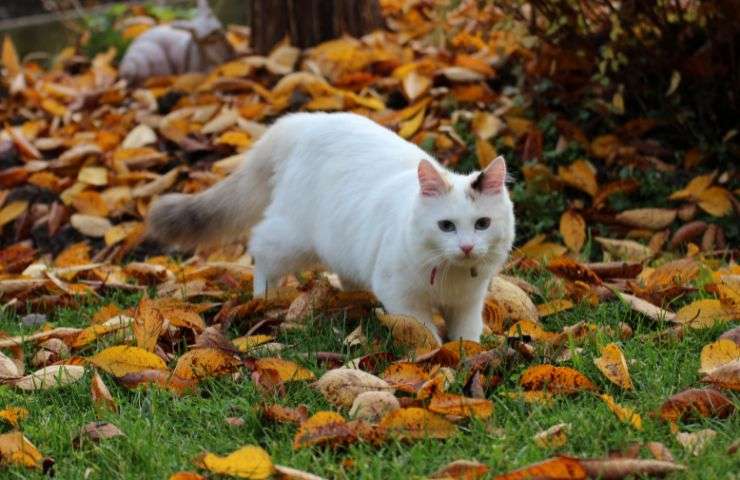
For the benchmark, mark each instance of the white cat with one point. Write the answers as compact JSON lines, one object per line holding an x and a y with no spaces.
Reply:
{"x":341,"y":190}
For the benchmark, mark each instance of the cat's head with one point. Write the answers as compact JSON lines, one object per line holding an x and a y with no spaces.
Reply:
{"x":464,"y":219}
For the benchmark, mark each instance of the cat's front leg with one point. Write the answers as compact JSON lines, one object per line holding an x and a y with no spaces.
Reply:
{"x":464,"y":321}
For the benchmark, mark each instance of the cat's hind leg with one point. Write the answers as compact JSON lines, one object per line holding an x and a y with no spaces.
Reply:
{"x":278,"y":248}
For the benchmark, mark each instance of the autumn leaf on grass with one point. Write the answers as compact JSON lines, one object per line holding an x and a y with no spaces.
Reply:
{"x":340,"y":386}
{"x":121,"y":359}
{"x":558,"y":468}
{"x":54,"y":376}
{"x":554,"y":306}
{"x":532,"y":397}
{"x":718,"y":353}
{"x":283,"y":414}
{"x":406,"y":377}
{"x":288,"y":371}
{"x":696,"y":186}
{"x":93,"y":332}
{"x":415,"y":423}
{"x":628,"y":250}
{"x":148,"y":325}
{"x":201,"y":363}
{"x":554,"y":437}
{"x":624,"y":414}
{"x":568,"y":268}
{"x":95,"y":432}
{"x":186,"y":476}
{"x":245,"y":344}
{"x":248,"y":462}
{"x":616,"y":468}
{"x":716,"y":201}
{"x":408,"y":332}
{"x":535,"y":331}
{"x":13,"y":415}
{"x":15,"y":449}
{"x":459,"y":406}
{"x":694,"y":403}
{"x":648,"y":218}
{"x":101,"y":397}
{"x":704,"y":313}
{"x":555,"y":379}
{"x":614,"y":366}
{"x":461,"y":470}
{"x":510,"y":303}
{"x":373,"y":406}
{"x":573,"y":230}
{"x":324,"y":428}
{"x":725,"y":376}
{"x":581,"y":175}
{"x":696,"y":442}
{"x":161,"y":378}
{"x":538,"y":249}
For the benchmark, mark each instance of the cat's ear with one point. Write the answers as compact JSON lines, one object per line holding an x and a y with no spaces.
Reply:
{"x":491,"y":180}
{"x":430,"y":180}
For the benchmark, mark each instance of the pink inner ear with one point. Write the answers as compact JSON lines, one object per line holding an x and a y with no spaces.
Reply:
{"x":493,"y":177}
{"x":431,"y":182}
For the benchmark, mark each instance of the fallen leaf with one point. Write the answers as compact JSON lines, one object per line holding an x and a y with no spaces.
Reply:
{"x":535,"y":331}
{"x":373,"y":406}
{"x":90,"y":225}
{"x":617,"y":468}
{"x":696,"y":442}
{"x":54,"y":376}
{"x":649,"y":218}
{"x":628,"y":250}
{"x":288,"y":371}
{"x":716,"y":201}
{"x":461,"y":470}
{"x":553,"y":307}
{"x":121,"y":359}
{"x":718,"y":353}
{"x":558,"y":468}
{"x":95,"y":432}
{"x":324,"y":428}
{"x":101,"y":397}
{"x":725,"y":376}
{"x":703,"y":313}
{"x":409,"y":332}
{"x":16,"y":449}
{"x":202,"y":363}
{"x":406,"y":377}
{"x":696,"y":402}
{"x":13,"y":415}
{"x":459,"y":406}
{"x":417,"y":423}
{"x":282,"y":414}
{"x":288,"y":473}
{"x":624,"y":414}
{"x":614,"y":366}
{"x":160,"y":378}
{"x":581,"y":175}
{"x":573,"y":230}
{"x":554,"y":437}
{"x":555,"y":379}
{"x":148,"y":325}
{"x":248,"y":462}
{"x":342,"y":385}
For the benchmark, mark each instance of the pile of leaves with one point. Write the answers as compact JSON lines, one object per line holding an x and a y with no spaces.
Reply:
{"x":83,"y":154}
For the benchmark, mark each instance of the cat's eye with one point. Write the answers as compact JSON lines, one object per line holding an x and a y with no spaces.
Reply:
{"x":482,"y":223}
{"x":446,"y":225}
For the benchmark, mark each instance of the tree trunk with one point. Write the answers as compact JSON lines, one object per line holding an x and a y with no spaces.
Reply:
{"x":309,"y":22}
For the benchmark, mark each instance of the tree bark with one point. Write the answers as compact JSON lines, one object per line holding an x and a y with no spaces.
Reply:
{"x":309,"y":22}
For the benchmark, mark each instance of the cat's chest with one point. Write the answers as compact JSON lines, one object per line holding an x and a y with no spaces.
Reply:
{"x":454,"y":284}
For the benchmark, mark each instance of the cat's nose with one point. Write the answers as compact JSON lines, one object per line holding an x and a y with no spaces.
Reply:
{"x":466,"y":248}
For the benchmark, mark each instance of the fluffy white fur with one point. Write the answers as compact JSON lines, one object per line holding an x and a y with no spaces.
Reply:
{"x":341,"y":190}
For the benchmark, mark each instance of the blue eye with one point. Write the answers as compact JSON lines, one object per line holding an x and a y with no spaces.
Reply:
{"x":446,"y":225}
{"x":482,"y":223}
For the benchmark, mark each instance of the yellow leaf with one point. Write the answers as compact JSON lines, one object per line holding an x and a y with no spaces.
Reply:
{"x":554,"y":437}
{"x":409,"y":332}
{"x":716,"y":201}
{"x":553,"y":307}
{"x":148,"y":325}
{"x":573,"y":230}
{"x":624,"y":414}
{"x":323,"y":428}
{"x":235,"y":138}
{"x":414,"y":85}
{"x":205,"y":362}
{"x":121,"y":359}
{"x":13,"y":415}
{"x":244,"y":344}
{"x":718,"y":353}
{"x":485,"y":152}
{"x":417,"y":423}
{"x":410,"y":127}
{"x":694,"y":188}
{"x":614,"y":366}
{"x":97,"y":176}
{"x":287,"y":370}
{"x":581,"y":175}
{"x":704,"y":313}
{"x":534,"y":330}
{"x":15,"y":449}
{"x":10,"y":57}
{"x":12,"y":211}
{"x":555,"y":379}
{"x":248,"y":462}
{"x":538,"y":249}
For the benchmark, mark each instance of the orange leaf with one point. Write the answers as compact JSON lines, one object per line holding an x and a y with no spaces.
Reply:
{"x":558,"y":468}
{"x":555,"y":379}
{"x":695,"y":402}
{"x":417,"y":423}
{"x":205,"y":362}
{"x":100,"y":394}
{"x":459,"y":406}
{"x":406,"y":377}
{"x":324,"y":428}
{"x":581,"y":175}
{"x":573,"y":230}
{"x":287,"y":370}
{"x":16,"y":449}
{"x":614,"y":366}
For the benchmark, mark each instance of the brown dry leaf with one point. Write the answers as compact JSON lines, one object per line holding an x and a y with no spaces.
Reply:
{"x":100,"y":395}
{"x":282,"y":414}
{"x":553,"y":307}
{"x":624,"y":414}
{"x":95,"y":432}
{"x":716,"y":201}
{"x":417,"y":423}
{"x":459,"y":406}
{"x":404,"y":376}
{"x":614,"y":366}
{"x":688,"y":404}
{"x":718,"y":353}
{"x":8,"y":368}
{"x":12,"y":210}
{"x":288,"y":473}
{"x":186,"y":476}
{"x":628,"y":250}
{"x":704,"y":313}
{"x":509,"y":303}
{"x":573,"y":230}
{"x":288,"y":371}
{"x":409,"y":332}
{"x":646,"y":308}
{"x":554,"y":437}
{"x":461,"y":470}
{"x":373,"y":406}
{"x":90,"y":225}
{"x":205,"y":362}
{"x":148,"y":325}
{"x":120,"y":360}
{"x":160,"y":378}
{"x":342,"y":385}
{"x":725,"y":376}
{"x":555,"y":379}
{"x":324,"y":428}
{"x":660,"y":451}
{"x":581,"y":175}
{"x":649,"y":218}
{"x":13,"y":415}
{"x":617,"y":468}
{"x":558,"y":468}
{"x":696,"y":442}
{"x":54,"y":376}
{"x":250,"y":462}
{"x":16,"y":449}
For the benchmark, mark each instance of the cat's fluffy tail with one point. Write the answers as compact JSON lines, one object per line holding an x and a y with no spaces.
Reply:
{"x":223,"y":212}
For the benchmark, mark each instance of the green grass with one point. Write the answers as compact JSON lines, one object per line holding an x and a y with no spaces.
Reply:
{"x":164,"y":433}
